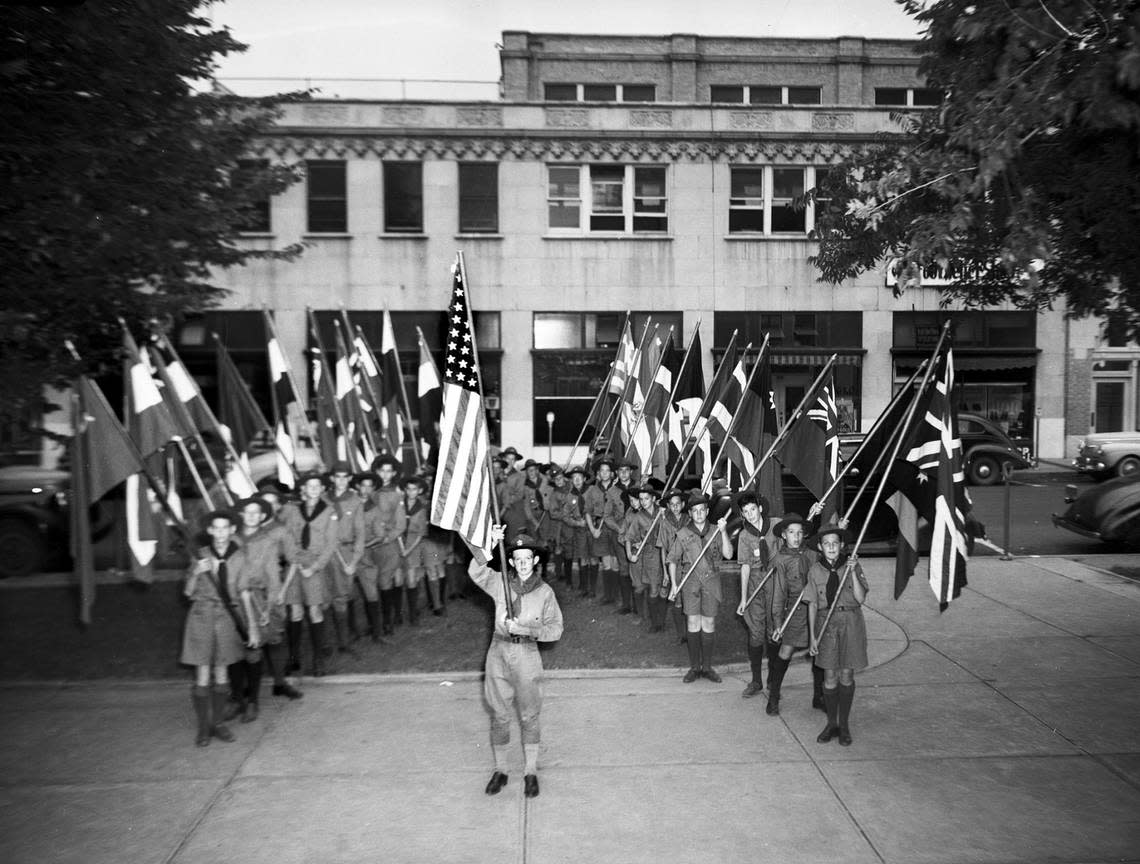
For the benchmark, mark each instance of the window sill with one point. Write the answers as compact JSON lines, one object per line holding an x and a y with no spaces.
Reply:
{"x":477,"y":235}
{"x":653,"y":238}
{"x":396,"y":235}
{"x":743,"y":236}
{"x":256,"y":235}
{"x":326,"y":236}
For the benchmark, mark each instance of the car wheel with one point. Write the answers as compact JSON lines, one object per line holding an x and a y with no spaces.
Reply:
{"x":1128,"y":466}
{"x":984,"y":471}
{"x":21,"y":549}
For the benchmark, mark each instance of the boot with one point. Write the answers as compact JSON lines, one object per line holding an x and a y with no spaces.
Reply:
{"x":831,"y":730}
{"x":817,"y":688}
{"x":200,"y":698}
{"x":353,"y":632}
{"x":694,"y":645}
{"x":708,"y":642}
{"x":756,"y":662}
{"x":220,"y":696}
{"x":281,"y":687}
{"x":235,"y":704}
{"x":777,"y":668}
{"x":433,"y":596}
{"x":316,"y":635}
{"x":412,"y":595}
{"x":845,"y":697}
{"x":252,"y":690}
{"x":398,"y":595}
{"x":293,"y":637}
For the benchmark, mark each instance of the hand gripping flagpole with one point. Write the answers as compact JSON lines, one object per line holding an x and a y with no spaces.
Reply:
{"x":752,"y":596}
{"x":779,"y":631}
{"x":488,"y":473}
{"x":902,"y":436}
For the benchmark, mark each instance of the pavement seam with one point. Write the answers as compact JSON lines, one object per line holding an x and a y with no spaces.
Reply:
{"x":208,"y":807}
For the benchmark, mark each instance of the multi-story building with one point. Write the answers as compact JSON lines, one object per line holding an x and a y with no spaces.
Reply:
{"x":655,"y":174}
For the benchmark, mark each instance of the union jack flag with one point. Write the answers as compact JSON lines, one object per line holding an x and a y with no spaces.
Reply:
{"x":812,"y":448}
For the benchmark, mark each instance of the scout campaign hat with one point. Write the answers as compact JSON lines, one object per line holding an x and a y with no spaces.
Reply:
{"x":695,"y":499}
{"x":788,"y":521}
{"x":266,"y":507}
{"x":841,"y":533}
{"x":413,"y":480}
{"x":366,"y":475}
{"x":229,"y":515}
{"x":340,"y":467}
{"x":510,"y":451}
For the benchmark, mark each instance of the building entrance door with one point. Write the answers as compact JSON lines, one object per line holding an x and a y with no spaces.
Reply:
{"x":1109,"y":401}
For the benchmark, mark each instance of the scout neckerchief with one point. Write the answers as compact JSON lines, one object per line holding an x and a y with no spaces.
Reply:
{"x":833,"y":576}
{"x":306,"y":536}
{"x":222,"y":587}
{"x":416,"y":508}
{"x":538,"y":505}
{"x":518,"y":587}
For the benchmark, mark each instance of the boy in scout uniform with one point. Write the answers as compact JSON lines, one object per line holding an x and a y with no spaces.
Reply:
{"x":411,"y":534}
{"x":603,"y":535}
{"x":576,"y":542}
{"x":551,"y":528}
{"x":792,"y":561}
{"x":312,"y":530}
{"x":672,"y":520}
{"x":752,"y":555}
{"x":341,"y":571}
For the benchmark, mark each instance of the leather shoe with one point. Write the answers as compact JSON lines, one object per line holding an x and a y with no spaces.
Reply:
{"x":496,"y":783}
{"x":691,"y":676}
{"x":234,"y":708}
{"x":222,"y":733}
{"x":712,"y":675}
{"x":250,"y":713}
{"x":844,"y":737}
{"x":772,"y":709}
{"x":287,"y":690}
{"x":827,"y":734}
{"x":818,"y":703}
{"x":754,"y":688}
{"x":530,"y":785}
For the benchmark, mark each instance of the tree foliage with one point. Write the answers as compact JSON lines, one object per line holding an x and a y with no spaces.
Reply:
{"x":118,"y":169}
{"x":1026,"y":179}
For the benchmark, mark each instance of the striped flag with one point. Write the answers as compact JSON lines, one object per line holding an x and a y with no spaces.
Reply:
{"x":391,"y":382}
{"x":287,"y":413}
{"x":461,"y":500}
{"x":429,"y":392}
{"x":688,"y":395}
{"x":623,"y":361}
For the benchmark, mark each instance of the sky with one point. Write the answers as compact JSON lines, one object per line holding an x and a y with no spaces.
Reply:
{"x":322,"y":40}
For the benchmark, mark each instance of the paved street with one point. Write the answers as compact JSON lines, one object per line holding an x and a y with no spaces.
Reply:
{"x":1001,"y":731}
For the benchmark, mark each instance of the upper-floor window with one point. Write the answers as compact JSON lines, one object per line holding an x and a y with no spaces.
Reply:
{"x":255,"y":217}
{"x":910,"y":97}
{"x":608,"y":198}
{"x":478,"y":197}
{"x":327,"y":196}
{"x":600,"y":92}
{"x":403,"y":197}
{"x":768,"y":199}
{"x":764,"y":94}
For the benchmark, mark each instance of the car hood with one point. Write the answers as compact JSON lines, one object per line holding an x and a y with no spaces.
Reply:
{"x":30,"y":479}
{"x":1101,"y":438}
{"x":1104,"y":508}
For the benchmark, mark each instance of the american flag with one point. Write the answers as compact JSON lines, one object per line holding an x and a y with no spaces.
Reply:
{"x":461,"y":501}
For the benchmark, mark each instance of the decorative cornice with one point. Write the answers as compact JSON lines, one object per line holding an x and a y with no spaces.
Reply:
{"x":547,"y":149}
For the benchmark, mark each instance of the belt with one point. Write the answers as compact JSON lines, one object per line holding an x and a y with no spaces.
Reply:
{"x":515,"y":639}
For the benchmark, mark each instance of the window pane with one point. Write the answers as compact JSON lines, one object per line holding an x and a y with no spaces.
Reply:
{"x":890,"y":95}
{"x":326,"y":179}
{"x":649,"y":202}
{"x":639,"y":93}
{"x":564,"y":215}
{"x":748,"y":183}
{"x":327,"y":217}
{"x":557,"y":330}
{"x":561,"y":92}
{"x":403,"y":196}
{"x":788,"y":214}
{"x":599,"y":92}
{"x":720,"y":93}
{"x":787,"y":182}
{"x":785,"y":217}
{"x":256,"y":216}
{"x":607,"y":181}
{"x":479,"y":196}
{"x":765,"y":95}
{"x":746,"y":220}
{"x":327,"y":204}
{"x":925,"y":97}
{"x":563,"y":182}
{"x":803,"y":96}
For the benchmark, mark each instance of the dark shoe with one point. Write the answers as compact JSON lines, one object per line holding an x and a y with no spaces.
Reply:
{"x":691,"y":676}
{"x":250,"y":713}
{"x":754,"y":688}
{"x":624,"y":610}
{"x":530,"y":785}
{"x":202,"y":740}
{"x":234,"y":708}
{"x":827,"y":734}
{"x":712,"y":675}
{"x":772,"y":709}
{"x":844,"y":736}
{"x":496,"y":783}
{"x":222,"y":733}
{"x":818,"y":703}
{"x":287,"y":690}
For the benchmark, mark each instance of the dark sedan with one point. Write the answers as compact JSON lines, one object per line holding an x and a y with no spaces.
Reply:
{"x":1109,"y":512}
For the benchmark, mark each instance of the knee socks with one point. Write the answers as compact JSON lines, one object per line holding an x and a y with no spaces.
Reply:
{"x":708,"y":641}
{"x":530,"y":755}
{"x":816,"y":682}
{"x":293,"y":635}
{"x":694,"y":645}
{"x":844,"y":699}
{"x":253,"y":680}
{"x":756,"y":661}
{"x":777,"y":668}
{"x":831,"y":700}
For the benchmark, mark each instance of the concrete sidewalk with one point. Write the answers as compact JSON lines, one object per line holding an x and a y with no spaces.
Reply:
{"x":1004,"y":730}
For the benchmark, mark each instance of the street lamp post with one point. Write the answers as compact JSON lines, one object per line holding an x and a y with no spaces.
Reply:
{"x":550,"y":436}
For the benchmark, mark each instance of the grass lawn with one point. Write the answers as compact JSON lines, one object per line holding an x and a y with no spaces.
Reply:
{"x":136,"y":632}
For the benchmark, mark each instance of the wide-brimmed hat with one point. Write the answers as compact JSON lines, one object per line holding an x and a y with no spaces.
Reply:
{"x":578,"y":469}
{"x":605,"y":460}
{"x":645,"y":489}
{"x":697,"y":498}
{"x":510,"y":451}
{"x":340,"y":466}
{"x":230,"y":516}
{"x":553,"y":471}
{"x":413,"y":480}
{"x":842,"y":533}
{"x":789,"y":520}
{"x":310,"y":475}
{"x":667,"y":494}
{"x":266,"y":507}
{"x":530,"y":463}
{"x":628,"y":463}
{"x":525,"y":541}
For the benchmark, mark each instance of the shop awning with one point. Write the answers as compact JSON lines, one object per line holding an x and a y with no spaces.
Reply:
{"x":978,"y":359}
{"x":812,"y":357}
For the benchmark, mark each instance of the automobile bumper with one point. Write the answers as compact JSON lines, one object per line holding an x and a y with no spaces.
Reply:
{"x":1068,"y":525}
{"x":1090,"y":465}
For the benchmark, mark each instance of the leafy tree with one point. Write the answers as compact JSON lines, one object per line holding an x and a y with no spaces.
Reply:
{"x":120,"y":189}
{"x":1026,"y":178}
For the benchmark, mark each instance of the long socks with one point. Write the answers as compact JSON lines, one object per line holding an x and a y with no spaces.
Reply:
{"x":843,"y":709}
{"x":293,"y":636}
{"x":694,"y":645}
{"x":756,"y":662}
{"x":777,"y":668}
{"x":530,"y":755}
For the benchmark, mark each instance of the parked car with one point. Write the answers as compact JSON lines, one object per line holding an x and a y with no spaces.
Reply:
{"x":1109,"y":454}
{"x":33,"y":517}
{"x":1109,"y":512}
{"x":985,"y":450}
